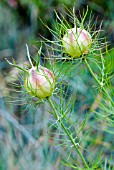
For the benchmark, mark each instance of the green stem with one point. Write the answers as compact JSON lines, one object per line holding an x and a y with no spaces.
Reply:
{"x":67,"y":132}
{"x":99,"y":83}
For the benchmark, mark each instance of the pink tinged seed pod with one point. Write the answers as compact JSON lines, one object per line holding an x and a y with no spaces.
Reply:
{"x":77,"y":42}
{"x":39,"y":82}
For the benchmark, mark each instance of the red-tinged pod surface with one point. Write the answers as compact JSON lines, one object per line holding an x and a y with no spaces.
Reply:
{"x":76,"y":42}
{"x":39,"y":82}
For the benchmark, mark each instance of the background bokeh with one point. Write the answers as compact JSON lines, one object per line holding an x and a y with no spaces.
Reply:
{"x":20,"y":23}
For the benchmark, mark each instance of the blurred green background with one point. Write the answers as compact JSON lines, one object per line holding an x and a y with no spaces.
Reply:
{"x":20,"y":24}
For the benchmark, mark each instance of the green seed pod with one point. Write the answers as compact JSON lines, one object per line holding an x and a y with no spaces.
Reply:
{"x":39,"y":82}
{"x":77,"y":42}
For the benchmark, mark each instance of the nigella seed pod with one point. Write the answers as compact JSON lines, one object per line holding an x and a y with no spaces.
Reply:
{"x":39,"y":82}
{"x":76,"y":42}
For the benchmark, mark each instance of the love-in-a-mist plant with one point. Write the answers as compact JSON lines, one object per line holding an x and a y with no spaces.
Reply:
{"x":82,"y":42}
{"x":39,"y":81}
{"x":75,"y":45}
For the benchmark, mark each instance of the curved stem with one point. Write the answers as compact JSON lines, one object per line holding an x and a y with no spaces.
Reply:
{"x":28,"y":55}
{"x":67,"y":133}
{"x":99,"y":83}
